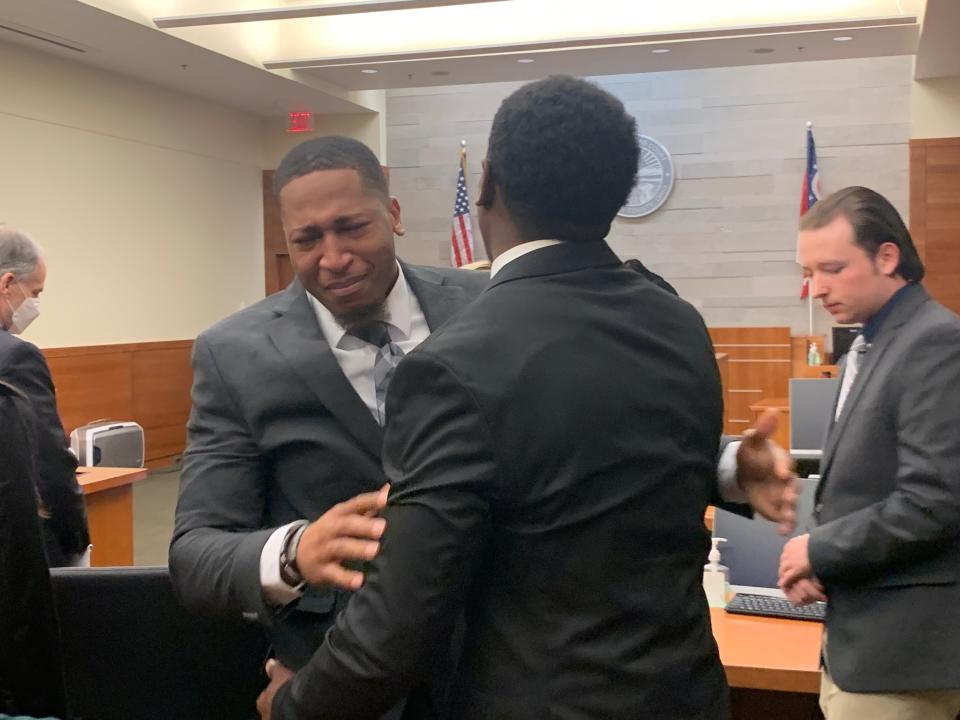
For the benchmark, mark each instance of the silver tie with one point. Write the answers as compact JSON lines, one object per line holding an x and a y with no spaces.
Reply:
{"x":388,"y":356}
{"x":850,"y":372}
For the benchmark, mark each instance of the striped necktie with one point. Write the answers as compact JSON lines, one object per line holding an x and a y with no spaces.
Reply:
{"x":857,"y":348}
{"x":388,"y":356}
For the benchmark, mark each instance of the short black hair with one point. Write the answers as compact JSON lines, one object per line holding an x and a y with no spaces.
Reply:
{"x":331,"y":152}
{"x":563,"y":153}
{"x":875,"y":221}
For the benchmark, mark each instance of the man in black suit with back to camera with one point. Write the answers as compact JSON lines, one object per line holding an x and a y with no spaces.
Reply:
{"x":551,"y":453}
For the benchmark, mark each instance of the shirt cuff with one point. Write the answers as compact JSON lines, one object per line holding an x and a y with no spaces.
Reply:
{"x":727,"y":483}
{"x":275,"y":591}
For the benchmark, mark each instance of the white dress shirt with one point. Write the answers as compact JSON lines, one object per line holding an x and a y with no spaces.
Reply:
{"x":518,"y":251}
{"x":407,"y":326}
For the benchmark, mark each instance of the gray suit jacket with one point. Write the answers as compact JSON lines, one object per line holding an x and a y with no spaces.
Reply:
{"x":886,"y":541}
{"x":277,"y":433}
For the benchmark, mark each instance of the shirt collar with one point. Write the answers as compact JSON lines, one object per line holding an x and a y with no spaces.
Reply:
{"x":517,"y":251}
{"x":872,"y":326}
{"x":398,"y":312}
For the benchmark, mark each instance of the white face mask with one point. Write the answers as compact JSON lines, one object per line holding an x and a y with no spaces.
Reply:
{"x":26,"y":313}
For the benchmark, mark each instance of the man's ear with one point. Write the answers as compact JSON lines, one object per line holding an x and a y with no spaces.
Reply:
{"x":888,"y":258}
{"x":6,"y":280}
{"x":396,"y":220}
{"x":487,"y":190}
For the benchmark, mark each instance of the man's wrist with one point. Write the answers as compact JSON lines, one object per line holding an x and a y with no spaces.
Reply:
{"x":289,"y":572}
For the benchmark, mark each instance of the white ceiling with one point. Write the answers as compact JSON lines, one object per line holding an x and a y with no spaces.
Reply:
{"x":315,"y":63}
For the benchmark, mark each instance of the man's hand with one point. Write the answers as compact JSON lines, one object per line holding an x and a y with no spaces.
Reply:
{"x":279,"y":675}
{"x":795,"y":562}
{"x":804,"y":592}
{"x":348,"y":531}
{"x":765,"y":474}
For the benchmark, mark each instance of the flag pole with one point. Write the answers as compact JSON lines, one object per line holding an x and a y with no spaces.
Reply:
{"x":809,"y":294}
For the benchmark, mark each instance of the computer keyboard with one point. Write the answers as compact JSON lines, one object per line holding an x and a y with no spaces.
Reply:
{"x":745,"y":604}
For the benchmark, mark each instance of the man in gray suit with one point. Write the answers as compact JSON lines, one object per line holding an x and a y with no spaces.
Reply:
{"x":286,"y":419}
{"x":885,"y":542}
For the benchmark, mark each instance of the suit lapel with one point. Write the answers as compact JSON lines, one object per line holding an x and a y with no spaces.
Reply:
{"x":438,"y":300}
{"x":906,"y":307}
{"x":296,"y":334}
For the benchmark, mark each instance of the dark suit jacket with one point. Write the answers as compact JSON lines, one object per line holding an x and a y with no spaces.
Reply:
{"x":31,"y":676}
{"x":552,"y":452}
{"x":887,"y":540}
{"x":23,"y":366}
{"x":276,"y":434}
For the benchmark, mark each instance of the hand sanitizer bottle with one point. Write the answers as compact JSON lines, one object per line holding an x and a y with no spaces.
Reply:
{"x":715,"y":577}
{"x":813,"y":356}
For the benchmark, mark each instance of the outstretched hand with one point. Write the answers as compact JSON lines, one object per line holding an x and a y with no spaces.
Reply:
{"x":765,"y":474}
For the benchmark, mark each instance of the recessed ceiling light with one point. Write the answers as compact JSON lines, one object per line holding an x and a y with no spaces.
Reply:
{"x":368,"y":71}
{"x":524,"y":61}
{"x":660,"y":51}
{"x":843,"y":38}
{"x":762,"y":51}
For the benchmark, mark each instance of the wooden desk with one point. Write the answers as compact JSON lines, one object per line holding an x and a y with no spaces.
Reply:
{"x":772,"y":665}
{"x":108,"y":493}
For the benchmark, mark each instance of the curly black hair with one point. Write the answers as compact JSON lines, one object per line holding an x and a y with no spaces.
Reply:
{"x":563,"y":153}
{"x":331,"y":152}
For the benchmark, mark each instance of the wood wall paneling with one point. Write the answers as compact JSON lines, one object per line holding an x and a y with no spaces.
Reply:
{"x":148,"y":383}
{"x":91,"y":385}
{"x":759,"y":367}
{"x":935,"y":214}
{"x":278,"y":272}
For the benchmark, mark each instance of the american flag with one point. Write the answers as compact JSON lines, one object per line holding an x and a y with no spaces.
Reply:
{"x":811,"y":193}
{"x":461,"y":237}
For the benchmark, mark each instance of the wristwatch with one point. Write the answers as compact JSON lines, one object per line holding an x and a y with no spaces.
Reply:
{"x":288,"y":554}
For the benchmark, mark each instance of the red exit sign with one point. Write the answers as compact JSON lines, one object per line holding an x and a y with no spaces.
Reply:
{"x":300,"y":122}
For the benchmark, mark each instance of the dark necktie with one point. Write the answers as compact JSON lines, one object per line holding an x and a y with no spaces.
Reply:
{"x":388,"y":356}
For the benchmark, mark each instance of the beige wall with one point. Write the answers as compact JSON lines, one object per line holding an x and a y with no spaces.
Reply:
{"x":147,"y":202}
{"x":935,"y":111}
{"x":368,"y":128}
{"x":726,"y":237}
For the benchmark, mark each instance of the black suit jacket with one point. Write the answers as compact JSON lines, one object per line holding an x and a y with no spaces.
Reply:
{"x":31,"y":675}
{"x":23,"y":366}
{"x":552,"y":452}
{"x":276,"y":434}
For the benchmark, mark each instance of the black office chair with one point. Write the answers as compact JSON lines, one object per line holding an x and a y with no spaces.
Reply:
{"x":31,"y":680}
{"x":131,"y":652}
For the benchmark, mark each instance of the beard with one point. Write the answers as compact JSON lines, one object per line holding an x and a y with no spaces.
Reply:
{"x":363,"y":316}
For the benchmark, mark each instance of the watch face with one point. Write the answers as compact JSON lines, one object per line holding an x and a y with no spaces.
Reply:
{"x":654,"y":179}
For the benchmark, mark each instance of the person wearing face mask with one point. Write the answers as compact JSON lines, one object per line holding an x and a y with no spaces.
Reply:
{"x":22,"y":275}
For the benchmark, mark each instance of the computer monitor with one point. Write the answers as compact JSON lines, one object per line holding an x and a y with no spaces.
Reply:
{"x":753,"y":547}
{"x":843,"y":337}
{"x":811,"y":401}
